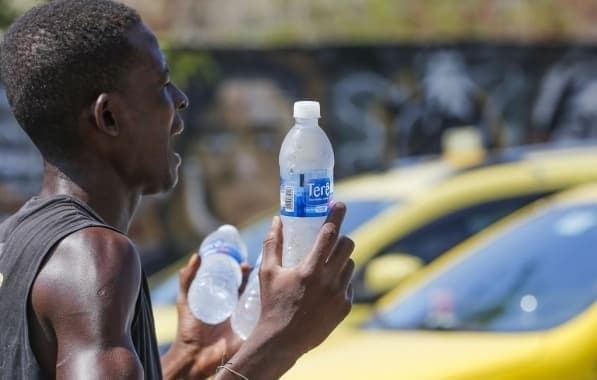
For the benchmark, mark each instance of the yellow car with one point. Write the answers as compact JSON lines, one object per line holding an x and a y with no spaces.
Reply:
{"x":398,"y":211}
{"x":517,"y":301}
{"x":438,"y":218}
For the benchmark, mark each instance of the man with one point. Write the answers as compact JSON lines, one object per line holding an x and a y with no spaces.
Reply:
{"x":87,"y":82}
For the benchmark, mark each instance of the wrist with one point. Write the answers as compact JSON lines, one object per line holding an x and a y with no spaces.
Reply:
{"x":261,"y":357}
{"x":179,"y":360}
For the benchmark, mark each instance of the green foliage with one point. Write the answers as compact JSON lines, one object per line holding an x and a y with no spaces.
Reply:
{"x":186,"y":66}
{"x":308,"y":22}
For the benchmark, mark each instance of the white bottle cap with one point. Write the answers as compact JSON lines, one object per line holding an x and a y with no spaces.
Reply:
{"x":306,"y":109}
{"x":228,"y":229}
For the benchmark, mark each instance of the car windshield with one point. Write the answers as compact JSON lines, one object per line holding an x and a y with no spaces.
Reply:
{"x":537,"y":274}
{"x":359,"y":211}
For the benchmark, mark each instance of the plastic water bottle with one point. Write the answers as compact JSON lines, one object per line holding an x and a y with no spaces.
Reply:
{"x":213,"y":294}
{"x":247,"y":313}
{"x":306,"y":182}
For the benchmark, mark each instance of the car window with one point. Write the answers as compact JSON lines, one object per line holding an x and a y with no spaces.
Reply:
{"x":359,"y":211}
{"x":432,"y":239}
{"x":535,"y":275}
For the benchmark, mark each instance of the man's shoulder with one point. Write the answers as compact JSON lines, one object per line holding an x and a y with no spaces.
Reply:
{"x":90,"y":266}
{"x":100,"y":246}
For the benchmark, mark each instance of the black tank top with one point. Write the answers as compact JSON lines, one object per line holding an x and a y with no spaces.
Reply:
{"x":25,"y":239}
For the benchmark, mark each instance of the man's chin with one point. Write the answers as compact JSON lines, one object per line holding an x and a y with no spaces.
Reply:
{"x":165,"y":185}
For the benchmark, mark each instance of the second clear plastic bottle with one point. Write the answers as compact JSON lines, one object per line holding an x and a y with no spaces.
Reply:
{"x":213,"y":294}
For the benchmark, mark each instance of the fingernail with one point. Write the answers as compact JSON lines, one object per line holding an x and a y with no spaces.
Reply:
{"x":331,"y":206}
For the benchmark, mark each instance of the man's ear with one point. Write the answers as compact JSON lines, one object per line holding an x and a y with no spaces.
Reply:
{"x":104,"y":119}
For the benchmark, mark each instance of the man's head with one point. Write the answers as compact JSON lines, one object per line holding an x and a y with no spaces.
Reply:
{"x":72,"y":64}
{"x":56,"y":58}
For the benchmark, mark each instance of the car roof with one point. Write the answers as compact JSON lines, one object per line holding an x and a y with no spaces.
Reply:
{"x":405,"y":181}
{"x":383,"y":185}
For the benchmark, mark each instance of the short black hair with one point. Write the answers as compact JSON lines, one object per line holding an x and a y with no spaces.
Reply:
{"x":57,"y":58}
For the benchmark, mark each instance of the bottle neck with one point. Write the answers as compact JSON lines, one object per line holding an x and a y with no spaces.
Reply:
{"x":308,"y":122}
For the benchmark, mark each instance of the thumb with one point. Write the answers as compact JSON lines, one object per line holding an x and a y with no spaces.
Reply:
{"x":187,"y":274}
{"x":246,"y":271}
{"x":272,"y":246}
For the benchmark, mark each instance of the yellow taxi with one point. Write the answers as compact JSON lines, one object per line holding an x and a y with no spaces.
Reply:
{"x":439,"y":217}
{"x":516,"y":302}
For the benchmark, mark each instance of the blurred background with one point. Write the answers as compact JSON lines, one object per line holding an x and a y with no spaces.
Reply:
{"x":392,"y":77}
{"x":446,"y":117}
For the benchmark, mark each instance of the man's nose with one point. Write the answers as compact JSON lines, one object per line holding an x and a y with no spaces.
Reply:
{"x":181,"y":100}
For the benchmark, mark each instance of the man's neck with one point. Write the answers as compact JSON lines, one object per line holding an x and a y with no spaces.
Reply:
{"x":103,"y":191}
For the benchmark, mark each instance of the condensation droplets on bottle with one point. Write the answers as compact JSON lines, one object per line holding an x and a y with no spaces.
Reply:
{"x":306,"y":181}
{"x":213,"y":294}
{"x":247,"y":313}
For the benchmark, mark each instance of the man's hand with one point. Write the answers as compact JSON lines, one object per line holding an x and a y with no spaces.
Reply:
{"x":301,"y":305}
{"x":199,"y":347}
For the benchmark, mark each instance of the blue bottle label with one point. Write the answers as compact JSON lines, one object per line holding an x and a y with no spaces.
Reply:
{"x":306,"y":194}
{"x":223,"y":247}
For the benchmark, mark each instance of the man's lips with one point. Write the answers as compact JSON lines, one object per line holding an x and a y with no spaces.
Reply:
{"x":176,"y":159}
{"x":177,"y":126}
{"x":177,"y":129}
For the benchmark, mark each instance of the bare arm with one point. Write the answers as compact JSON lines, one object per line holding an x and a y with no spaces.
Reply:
{"x":84,"y":299}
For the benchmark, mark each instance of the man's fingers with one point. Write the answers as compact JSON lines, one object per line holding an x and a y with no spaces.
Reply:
{"x":272,"y":246}
{"x":336,"y":215}
{"x":350,"y":293}
{"x":187,"y":274}
{"x":327,"y":237}
{"x":346,"y":275}
{"x":245,"y":270}
{"x":340,"y":254}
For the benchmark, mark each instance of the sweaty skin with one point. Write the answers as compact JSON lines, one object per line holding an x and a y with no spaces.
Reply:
{"x":83,"y":299}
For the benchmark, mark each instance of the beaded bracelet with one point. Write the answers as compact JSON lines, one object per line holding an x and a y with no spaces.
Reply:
{"x":225,"y":366}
